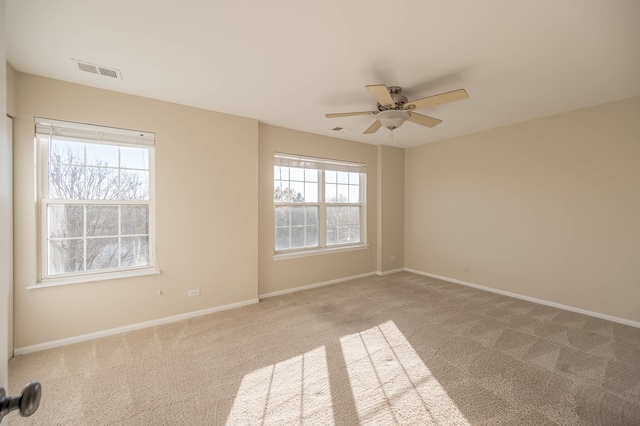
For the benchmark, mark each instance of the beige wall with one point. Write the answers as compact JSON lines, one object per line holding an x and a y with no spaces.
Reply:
{"x":391,"y":208}
{"x":5,"y":216}
{"x":206,"y":203}
{"x":548,"y":208}
{"x":286,"y":274}
{"x":12,"y":75}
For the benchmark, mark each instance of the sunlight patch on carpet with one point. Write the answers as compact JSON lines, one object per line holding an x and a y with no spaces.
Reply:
{"x":293,"y":391}
{"x":390,"y":382}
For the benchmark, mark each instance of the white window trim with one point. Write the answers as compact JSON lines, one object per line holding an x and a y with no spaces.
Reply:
{"x":111,"y":136}
{"x":92,"y":277}
{"x":322,"y":247}
{"x":319,"y":251}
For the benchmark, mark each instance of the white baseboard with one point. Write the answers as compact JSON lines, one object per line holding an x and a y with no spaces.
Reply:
{"x":110,"y":332}
{"x":393,"y":271}
{"x":310,"y":286}
{"x":530,"y":299}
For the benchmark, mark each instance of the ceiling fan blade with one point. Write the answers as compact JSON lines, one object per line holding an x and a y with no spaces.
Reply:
{"x":381,"y":93}
{"x":348,"y":114}
{"x":373,"y":128}
{"x":442,"y":98}
{"x":423,"y":120}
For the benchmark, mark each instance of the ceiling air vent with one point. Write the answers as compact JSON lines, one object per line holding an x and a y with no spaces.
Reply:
{"x":88,"y":68}
{"x":98,"y":69}
{"x":340,"y":129}
{"x":108,"y":72}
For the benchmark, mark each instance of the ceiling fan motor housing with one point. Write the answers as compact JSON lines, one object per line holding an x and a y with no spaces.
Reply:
{"x":398,"y":99}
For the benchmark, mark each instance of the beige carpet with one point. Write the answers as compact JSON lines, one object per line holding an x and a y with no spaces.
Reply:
{"x":400,"y":349}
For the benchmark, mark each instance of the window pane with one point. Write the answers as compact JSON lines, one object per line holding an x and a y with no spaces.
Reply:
{"x":332,"y":215}
{"x":311,"y":175}
{"x":102,"y":184}
{"x":102,"y":220}
{"x":285,"y":194}
{"x":311,"y":236}
{"x":311,"y":215}
{"x":354,"y":178}
{"x":343,"y":215}
{"x":102,"y":155}
{"x":343,"y":234}
{"x":311,"y":192}
{"x":343,"y":225}
{"x":282,"y":238}
{"x":65,"y":221}
{"x":102,"y":253}
{"x":354,"y":194}
{"x":65,"y":152}
{"x":330,"y":176}
{"x":354,"y":234}
{"x":282,"y":216}
{"x":330,"y":193}
{"x":297,"y":237}
{"x":134,"y":158}
{"x":66,"y":256}
{"x":276,"y":172}
{"x":297,"y":216}
{"x":277,"y":191}
{"x":134,"y":251}
{"x":134,"y":185}
{"x":66,"y":182}
{"x":343,"y":194}
{"x":297,"y":192}
{"x":134,"y":220}
{"x":284,"y":173}
{"x":343,"y":177}
{"x":355,"y":215}
{"x":331,"y":235}
{"x":296,"y":174}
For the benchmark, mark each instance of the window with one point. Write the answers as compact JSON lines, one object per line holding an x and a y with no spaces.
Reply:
{"x":319,"y":203}
{"x":96,"y":199}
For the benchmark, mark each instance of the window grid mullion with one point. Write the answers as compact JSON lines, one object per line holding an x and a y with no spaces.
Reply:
{"x":289,"y":228}
{"x":322,"y":214}
{"x":86,"y":181}
{"x":119,"y":235}
{"x":44,"y":181}
{"x":84,"y":240}
{"x":97,"y":202}
{"x":119,"y":173}
{"x":363,"y":216}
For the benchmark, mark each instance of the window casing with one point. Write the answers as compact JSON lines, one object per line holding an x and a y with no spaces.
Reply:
{"x":96,"y":199}
{"x":319,"y":204}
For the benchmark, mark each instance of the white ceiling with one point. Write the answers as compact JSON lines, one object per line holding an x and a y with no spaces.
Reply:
{"x":288,"y":62}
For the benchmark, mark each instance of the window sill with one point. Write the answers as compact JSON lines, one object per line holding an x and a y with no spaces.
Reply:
{"x":82,"y":279}
{"x":306,"y":253}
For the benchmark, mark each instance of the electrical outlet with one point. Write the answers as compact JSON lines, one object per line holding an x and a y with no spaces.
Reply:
{"x":393,"y":258}
{"x":465,"y":268}
{"x":193,"y":293}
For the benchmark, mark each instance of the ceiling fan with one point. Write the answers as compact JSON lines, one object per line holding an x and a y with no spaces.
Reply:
{"x":394,"y":108}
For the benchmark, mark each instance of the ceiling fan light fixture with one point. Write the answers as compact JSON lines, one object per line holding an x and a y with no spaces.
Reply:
{"x":392,"y":119}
